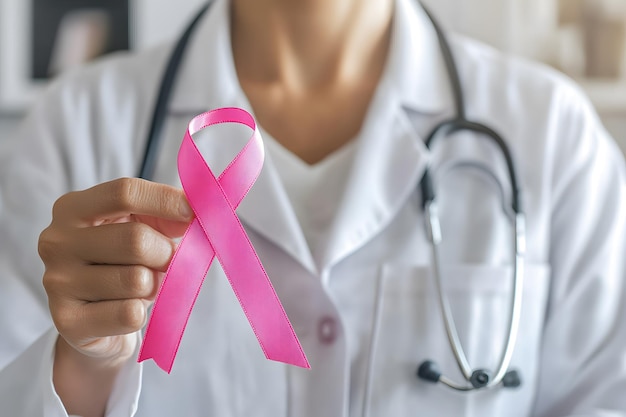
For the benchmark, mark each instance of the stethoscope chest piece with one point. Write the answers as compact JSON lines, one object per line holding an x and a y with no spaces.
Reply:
{"x":429,"y":371}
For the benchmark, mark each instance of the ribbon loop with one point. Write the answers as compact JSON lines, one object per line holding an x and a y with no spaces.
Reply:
{"x":217,"y":232}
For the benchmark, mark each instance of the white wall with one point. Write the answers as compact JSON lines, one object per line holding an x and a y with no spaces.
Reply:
{"x":616,"y":125}
{"x":528,"y":28}
{"x":152,"y":22}
{"x":7,"y":125}
{"x":522,"y":27}
{"x":155,"y":21}
{"x":505,"y":24}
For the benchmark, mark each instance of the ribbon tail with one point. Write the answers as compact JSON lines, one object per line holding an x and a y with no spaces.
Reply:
{"x":248,"y":278}
{"x":176,"y":298}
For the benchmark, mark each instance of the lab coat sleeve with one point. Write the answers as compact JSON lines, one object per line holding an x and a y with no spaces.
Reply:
{"x":26,"y":384}
{"x":54,"y":152}
{"x":27,"y":390}
{"x":583,"y":366}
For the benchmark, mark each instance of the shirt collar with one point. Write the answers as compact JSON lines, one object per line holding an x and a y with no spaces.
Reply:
{"x":414,"y":77}
{"x":415,"y":70}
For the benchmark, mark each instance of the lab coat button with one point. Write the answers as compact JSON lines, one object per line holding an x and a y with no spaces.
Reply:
{"x":327,"y":330}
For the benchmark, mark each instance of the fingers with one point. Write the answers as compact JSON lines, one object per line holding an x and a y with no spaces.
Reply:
{"x":80,"y":322}
{"x":123,"y":244}
{"x":104,"y":253}
{"x":114,"y":244}
{"x":170,"y":228}
{"x":93,"y":283}
{"x":122,"y":197}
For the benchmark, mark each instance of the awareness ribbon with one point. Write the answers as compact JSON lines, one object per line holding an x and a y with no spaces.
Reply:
{"x":217,"y":231}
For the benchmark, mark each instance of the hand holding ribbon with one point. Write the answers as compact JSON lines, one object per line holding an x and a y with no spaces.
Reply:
{"x":217,"y":231}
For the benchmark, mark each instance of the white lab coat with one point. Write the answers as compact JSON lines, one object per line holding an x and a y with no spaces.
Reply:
{"x":365,"y":308}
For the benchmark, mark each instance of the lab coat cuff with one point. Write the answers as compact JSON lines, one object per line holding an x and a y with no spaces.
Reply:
{"x":52,"y":404}
{"x":124,"y":399}
{"x":26,"y":387}
{"x":42,"y":352}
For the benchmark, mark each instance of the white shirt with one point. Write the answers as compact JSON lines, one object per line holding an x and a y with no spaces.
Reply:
{"x":314,"y":191}
{"x":364,"y":309}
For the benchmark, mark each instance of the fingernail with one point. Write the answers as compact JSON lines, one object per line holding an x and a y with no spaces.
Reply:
{"x":185,"y":210}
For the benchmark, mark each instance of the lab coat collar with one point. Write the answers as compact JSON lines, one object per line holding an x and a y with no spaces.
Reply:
{"x":208,"y":80}
{"x":389,"y":161}
{"x":415,"y":66}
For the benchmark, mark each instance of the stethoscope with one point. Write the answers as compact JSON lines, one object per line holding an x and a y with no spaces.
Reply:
{"x":428,"y":370}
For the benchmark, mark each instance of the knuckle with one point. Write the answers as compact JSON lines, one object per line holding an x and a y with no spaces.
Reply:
{"x":132,"y":314}
{"x":139,"y":239}
{"x":51,"y":282}
{"x":124,"y":192}
{"x":63,"y":317}
{"x":60,"y":205}
{"x":48,"y":245}
{"x":139,"y":282}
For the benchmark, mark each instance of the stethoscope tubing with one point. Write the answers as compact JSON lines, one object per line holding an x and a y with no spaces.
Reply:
{"x":478,"y":379}
{"x":164,"y":94}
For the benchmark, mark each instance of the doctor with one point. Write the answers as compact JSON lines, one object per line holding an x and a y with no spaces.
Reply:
{"x":345,"y":92}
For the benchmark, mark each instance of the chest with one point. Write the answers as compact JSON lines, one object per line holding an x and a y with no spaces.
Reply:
{"x":368,"y":321}
{"x":366,"y":325}
{"x":314,"y":124}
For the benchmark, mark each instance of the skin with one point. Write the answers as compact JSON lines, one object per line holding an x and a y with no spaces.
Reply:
{"x":309,"y":69}
{"x":104,"y":253}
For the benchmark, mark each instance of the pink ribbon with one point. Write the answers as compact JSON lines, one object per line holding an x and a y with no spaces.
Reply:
{"x":217,"y":231}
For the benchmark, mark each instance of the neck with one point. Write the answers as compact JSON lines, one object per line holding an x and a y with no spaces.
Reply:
{"x":305,"y":45}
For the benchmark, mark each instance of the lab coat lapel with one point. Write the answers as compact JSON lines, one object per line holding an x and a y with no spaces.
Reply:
{"x":391,"y":156}
{"x":267,"y":210}
{"x":208,"y":80}
{"x":388,"y":165}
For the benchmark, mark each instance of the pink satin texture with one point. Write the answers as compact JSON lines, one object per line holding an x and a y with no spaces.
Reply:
{"x":217,"y":232}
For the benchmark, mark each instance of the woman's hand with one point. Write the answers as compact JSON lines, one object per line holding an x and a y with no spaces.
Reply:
{"x":104,"y":254}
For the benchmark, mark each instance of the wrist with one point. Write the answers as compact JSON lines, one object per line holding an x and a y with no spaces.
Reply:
{"x":84,"y":383}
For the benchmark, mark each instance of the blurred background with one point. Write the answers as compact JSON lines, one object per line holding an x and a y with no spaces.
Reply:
{"x":586,"y":39}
